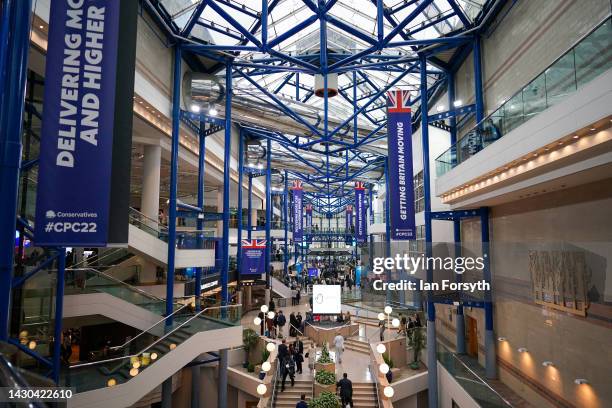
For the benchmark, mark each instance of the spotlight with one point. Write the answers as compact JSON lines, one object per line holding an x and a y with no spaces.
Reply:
{"x":136,"y":364}
{"x":580,"y":381}
{"x":172,"y":346}
{"x":575,"y":137}
{"x":381,"y":348}
{"x":522,"y":350}
{"x":153,"y":356}
{"x":195,"y":108}
{"x":548,"y":364}
{"x":384,"y":368}
{"x":32,"y":345}
{"x":261,"y":389}
{"x":111,"y":382}
{"x":501,"y":339}
{"x":134,"y":372}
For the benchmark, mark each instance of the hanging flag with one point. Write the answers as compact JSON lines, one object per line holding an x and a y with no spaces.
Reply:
{"x":253,"y":257}
{"x":399,"y":142}
{"x":349,"y":218}
{"x":85,"y":150}
{"x":308,"y":209}
{"x":360,"y":213}
{"x":298,"y":227}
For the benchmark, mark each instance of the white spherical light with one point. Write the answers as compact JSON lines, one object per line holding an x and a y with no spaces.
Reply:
{"x":388,"y":391}
{"x":261,"y":389}
{"x":266,"y":366}
{"x":264,"y":308}
{"x":395,"y":322}
{"x":388,"y":309}
{"x":381,"y":348}
{"x":270,"y":347}
{"x":384,"y":368}
{"x":257,"y":321}
{"x":270,"y":315}
{"x":381,"y":316}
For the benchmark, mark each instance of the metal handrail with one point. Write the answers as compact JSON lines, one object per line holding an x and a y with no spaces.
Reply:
{"x":149,"y":328}
{"x":296,"y":328}
{"x":98,"y":258}
{"x":112,"y":278}
{"x":274,"y":382}
{"x":156,"y":341}
{"x":475,"y":375}
{"x":12,"y":378}
{"x":375,"y":374}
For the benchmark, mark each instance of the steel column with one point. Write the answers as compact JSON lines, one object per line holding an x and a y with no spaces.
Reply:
{"x":226,"y":184}
{"x":286,"y":223}
{"x":490,"y":355}
{"x":478,"y":80}
{"x":59,"y":313}
{"x":201,"y":192}
{"x":222,"y":384}
{"x":239,"y":205}
{"x":387,"y":223}
{"x":250,"y":208}
{"x":268,"y":209}
{"x":14,"y":47}
{"x":460,"y":330}
{"x":431,"y":311}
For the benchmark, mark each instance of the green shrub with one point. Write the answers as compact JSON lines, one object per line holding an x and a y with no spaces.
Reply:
{"x":251,"y":368}
{"x":388,"y":359}
{"x":325,"y":377}
{"x":325,"y":400}
{"x":265,"y":354}
{"x":325,"y":356}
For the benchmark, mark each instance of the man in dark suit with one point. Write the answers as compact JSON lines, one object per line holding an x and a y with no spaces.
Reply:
{"x":346,"y":390}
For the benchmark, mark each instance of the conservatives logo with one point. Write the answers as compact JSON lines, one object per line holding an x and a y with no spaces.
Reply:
{"x":50,"y":214}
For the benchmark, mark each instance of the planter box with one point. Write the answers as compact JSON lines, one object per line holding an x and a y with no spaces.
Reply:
{"x":331,"y":367}
{"x":320,"y":388}
{"x":395,"y":372}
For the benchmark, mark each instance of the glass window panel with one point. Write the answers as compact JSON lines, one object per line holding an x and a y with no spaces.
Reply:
{"x":560,"y":79}
{"x":594,"y":54}
{"x":513,"y":113}
{"x":534,"y":97}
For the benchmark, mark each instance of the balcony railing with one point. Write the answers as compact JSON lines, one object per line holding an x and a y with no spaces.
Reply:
{"x":586,"y":60}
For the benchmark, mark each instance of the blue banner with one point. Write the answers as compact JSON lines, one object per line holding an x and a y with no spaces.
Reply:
{"x":76,"y":151}
{"x":253,"y":257}
{"x":308,"y":209}
{"x":298,"y":227}
{"x":360,"y":213}
{"x":349,"y":218}
{"x":399,"y":141}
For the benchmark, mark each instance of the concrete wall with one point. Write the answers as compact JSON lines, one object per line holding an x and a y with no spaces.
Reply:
{"x":530,"y":37}
{"x":579,"y":219}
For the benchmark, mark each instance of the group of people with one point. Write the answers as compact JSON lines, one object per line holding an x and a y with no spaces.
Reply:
{"x":290,"y":359}
{"x":406,"y":324}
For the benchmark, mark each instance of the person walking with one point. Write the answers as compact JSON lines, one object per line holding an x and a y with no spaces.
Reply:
{"x":403,"y":323}
{"x":288,"y":366}
{"x":302,"y":402}
{"x":346,"y":390}
{"x":292,"y":325}
{"x":382,"y":326}
{"x":339,"y":345}
{"x":281,"y":321}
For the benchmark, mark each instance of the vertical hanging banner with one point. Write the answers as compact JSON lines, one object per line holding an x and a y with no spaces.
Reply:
{"x":298,"y":227}
{"x":253,"y":257}
{"x":308,"y":210}
{"x":360,"y":213}
{"x":399,"y":142}
{"x":85,"y":150}
{"x":349,"y":218}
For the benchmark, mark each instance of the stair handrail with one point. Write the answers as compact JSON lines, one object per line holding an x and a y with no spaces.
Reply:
{"x":10,"y":377}
{"x":149,"y":328}
{"x":374,"y":373}
{"x":274,"y":383}
{"x":98,"y":257}
{"x":112,"y":278}
{"x":92,"y":363}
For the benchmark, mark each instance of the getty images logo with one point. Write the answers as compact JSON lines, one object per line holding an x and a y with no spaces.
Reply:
{"x":50,"y":214}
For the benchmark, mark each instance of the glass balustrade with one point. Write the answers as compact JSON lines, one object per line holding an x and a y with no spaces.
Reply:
{"x":589,"y":58}
{"x":117,"y":364}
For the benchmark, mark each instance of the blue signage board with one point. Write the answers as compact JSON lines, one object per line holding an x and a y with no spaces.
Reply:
{"x":253,"y":260}
{"x":399,"y":141}
{"x":313,"y":272}
{"x":349,"y":217}
{"x":308,"y":210}
{"x":360,"y":213}
{"x":298,"y":227}
{"x":84,"y":111}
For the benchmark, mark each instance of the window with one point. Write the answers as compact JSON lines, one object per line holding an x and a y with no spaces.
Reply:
{"x":419,"y":197}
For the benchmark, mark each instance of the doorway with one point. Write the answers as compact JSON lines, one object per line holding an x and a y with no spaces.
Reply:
{"x":472,"y":336}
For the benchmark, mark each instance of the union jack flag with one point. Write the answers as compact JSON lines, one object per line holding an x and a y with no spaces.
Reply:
{"x":349,"y":208}
{"x":297,"y":185}
{"x":397,"y":101}
{"x":359,"y":185}
{"x":253,"y":243}
{"x":308,"y":207}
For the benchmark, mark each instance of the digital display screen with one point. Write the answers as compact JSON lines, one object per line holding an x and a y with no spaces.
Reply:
{"x":313,"y":272}
{"x":326,"y":299}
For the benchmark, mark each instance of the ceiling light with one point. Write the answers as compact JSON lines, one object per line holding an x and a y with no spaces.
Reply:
{"x":548,"y":364}
{"x":458,"y":103}
{"x":522,"y":350}
{"x":111,"y":382}
{"x":575,"y":137}
{"x":213,"y":111}
{"x":134,"y":372}
{"x":440,"y":108}
{"x":195,"y":108}
{"x":593,"y":129}
{"x":580,"y":381}
{"x":501,"y":339}
{"x":41,"y":26}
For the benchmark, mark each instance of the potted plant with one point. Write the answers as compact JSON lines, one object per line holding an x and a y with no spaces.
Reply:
{"x":325,"y":400}
{"x":250,"y":368}
{"x":325,"y":362}
{"x":250,"y":338}
{"x":389,"y":361}
{"x":325,"y":381}
{"x":418,"y":342}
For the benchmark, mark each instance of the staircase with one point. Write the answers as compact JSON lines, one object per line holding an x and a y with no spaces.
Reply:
{"x":364,"y":395}
{"x":357,"y":345}
{"x":291,"y":395}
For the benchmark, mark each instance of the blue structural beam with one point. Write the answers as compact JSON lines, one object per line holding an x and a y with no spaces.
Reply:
{"x":268,"y":211}
{"x":200,"y":217}
{"x":226,"y":184}
{"x":490,"y":356}
{"x":14,"y":47}
{"x":452,"y":113}
{"x":239,"y":206}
